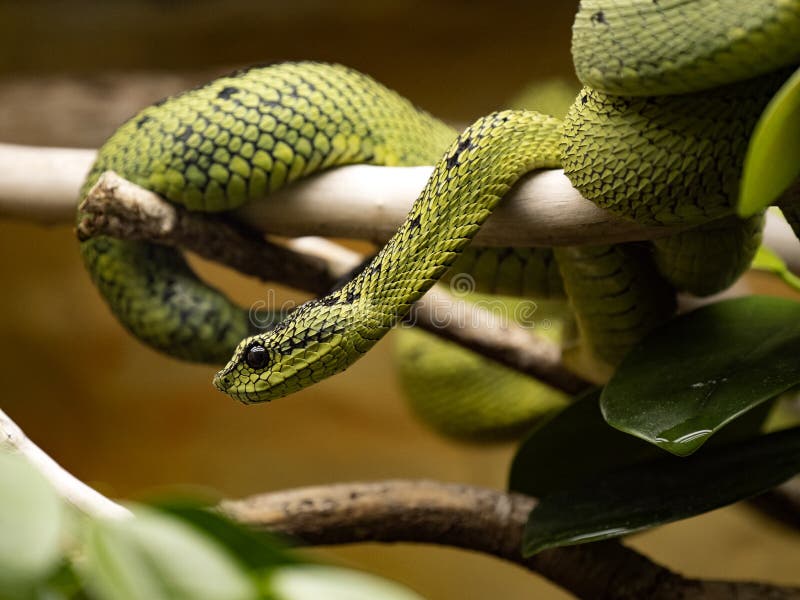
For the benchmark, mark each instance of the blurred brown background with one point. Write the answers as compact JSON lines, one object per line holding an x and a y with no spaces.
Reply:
{"x":130,"y":421}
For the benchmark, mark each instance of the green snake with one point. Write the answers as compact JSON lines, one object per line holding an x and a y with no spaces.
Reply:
{"x":672,"y":90}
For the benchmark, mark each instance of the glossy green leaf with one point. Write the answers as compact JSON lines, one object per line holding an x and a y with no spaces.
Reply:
{"x":766,"y":260}
{"x":313,"y":582}
{"x":254,"y":549}
{"x":573,"y":445}
{"x":31,"y":520}
{"x":157,"y":557}
{"x":661,"y":491}
{"x":577,"y":444}
{"x":772,"y":161}
{"x":688,"y":379}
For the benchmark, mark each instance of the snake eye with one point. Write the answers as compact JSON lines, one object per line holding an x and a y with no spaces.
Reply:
{"x":256,"y":357}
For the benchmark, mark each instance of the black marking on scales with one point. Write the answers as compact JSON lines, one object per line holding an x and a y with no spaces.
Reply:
{"x":465,"y":144}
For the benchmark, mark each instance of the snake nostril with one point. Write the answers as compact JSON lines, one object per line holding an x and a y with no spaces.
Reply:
{"x":222,"y":382}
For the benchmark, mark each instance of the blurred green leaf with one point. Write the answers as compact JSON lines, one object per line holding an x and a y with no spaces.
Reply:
{"x":313,"y":582}
{"x":691,"y":377}
{"x":256,"y":550}
{"x":772,"y":161}
{"x":31,"y":520}
{"x":63,"y":584}
{"x":766,"y":260}
{"x":661,"y":491}
{"x":548,"y":96}
{"x":157,"y":557}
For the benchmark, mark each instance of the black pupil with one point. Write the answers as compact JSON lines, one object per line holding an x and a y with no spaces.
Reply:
{"x":256,"y":357}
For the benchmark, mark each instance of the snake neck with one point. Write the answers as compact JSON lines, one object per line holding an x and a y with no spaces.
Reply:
{"x":327,"y":335}
{"x":664,"y":47}
{"x":468,"y":182}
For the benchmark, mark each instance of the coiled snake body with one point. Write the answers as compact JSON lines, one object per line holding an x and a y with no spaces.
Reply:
{"x":658,"y":135}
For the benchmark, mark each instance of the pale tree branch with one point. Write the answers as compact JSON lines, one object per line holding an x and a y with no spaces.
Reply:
{"x":369,"y":202}
{"x":42,"y":184}
{"x":358,"y":201}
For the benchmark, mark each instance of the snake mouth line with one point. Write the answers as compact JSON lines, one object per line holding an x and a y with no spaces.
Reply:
{"x":224,"y":385}
{"x":229,"y":381}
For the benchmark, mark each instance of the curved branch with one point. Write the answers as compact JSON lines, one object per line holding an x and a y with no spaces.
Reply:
{"x":478,"y":519}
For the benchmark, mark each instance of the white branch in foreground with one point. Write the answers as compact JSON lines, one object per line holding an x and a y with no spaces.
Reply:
{"x":69,"y":487}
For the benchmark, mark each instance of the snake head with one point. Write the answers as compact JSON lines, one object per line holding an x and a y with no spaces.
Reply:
{"x":306,"y":347}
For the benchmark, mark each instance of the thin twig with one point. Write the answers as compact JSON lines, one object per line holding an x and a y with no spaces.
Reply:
{"x":120,"y":209}
{"x":499,"y":339}
{"x":478,"y":519}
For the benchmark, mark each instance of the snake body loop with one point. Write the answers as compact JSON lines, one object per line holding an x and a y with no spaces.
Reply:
{"x":664,"y":47}
{"x":672,"y":91}
{"x":221,"y":145}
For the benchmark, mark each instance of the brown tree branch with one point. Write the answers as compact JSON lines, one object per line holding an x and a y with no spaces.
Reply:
{"x":478,"y":519}
{"x":117,"y":208}
{"x":461,"y":516}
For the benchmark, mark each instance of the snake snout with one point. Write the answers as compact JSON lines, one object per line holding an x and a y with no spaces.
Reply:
{"x":223,"y":380}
